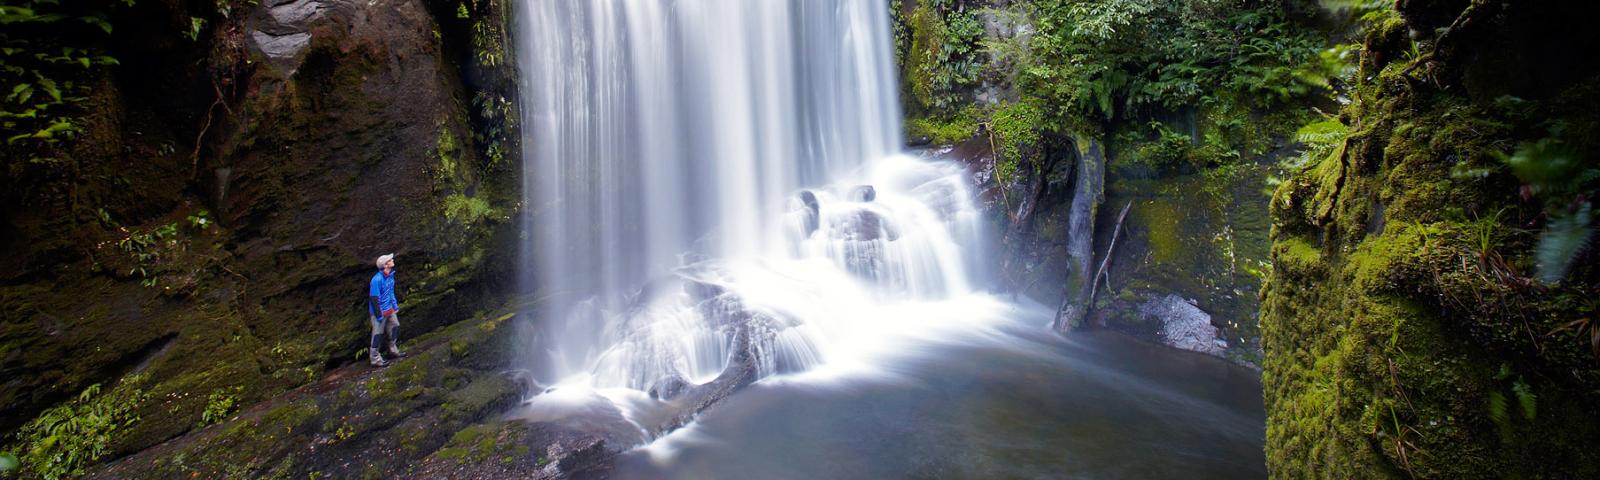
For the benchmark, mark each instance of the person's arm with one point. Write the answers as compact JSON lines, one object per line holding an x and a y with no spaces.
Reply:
{"x":372,"y":298}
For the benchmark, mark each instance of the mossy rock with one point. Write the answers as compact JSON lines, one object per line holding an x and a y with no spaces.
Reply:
{"x":1403,"y":337}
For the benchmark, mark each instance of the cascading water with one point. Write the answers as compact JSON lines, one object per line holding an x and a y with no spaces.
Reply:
{"x":714,"y":195}
{"x":700,"y":167}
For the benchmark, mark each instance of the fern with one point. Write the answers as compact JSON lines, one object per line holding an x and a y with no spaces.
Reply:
{"x":1563,"y":239}
{"x":1555,"y":172}
{"x":1320,"y":139}
{"x":1550,"y":167}
{"x":66,"y":439}
{"x":1498,"y":414}
{"x":1525,"y":399}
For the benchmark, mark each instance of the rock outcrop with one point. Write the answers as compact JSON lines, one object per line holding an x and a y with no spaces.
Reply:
{"x":234,"y":269}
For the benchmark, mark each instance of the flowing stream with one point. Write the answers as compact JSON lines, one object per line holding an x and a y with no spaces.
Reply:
{"x":706,"y":178}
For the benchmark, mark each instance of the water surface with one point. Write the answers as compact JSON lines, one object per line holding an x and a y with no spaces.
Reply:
{"x":1026,"y":404}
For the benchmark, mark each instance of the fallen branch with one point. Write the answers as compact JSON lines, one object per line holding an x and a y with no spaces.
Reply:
{"x":994,"y":170}
{"x":1106,"y":262}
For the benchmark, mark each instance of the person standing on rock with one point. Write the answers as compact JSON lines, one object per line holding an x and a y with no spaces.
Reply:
{"x":383,"y":310}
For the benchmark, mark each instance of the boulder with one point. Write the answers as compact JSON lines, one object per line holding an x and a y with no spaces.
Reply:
{"x":669,"y":387}
{"x":863,"y":193}
{"x":861,"y":226}
{"x":1184,"y":325}
{"x":810,"y":211}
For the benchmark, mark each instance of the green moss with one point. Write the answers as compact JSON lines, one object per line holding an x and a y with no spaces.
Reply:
{"x":465,"y":210}
{"x":1017,"y":128}
{"x":1399,"y":328}
{"x":1296,"y":255}
{"x":478,"y":396}
{"x":945,"y":130}
{"x":1160,"y":220}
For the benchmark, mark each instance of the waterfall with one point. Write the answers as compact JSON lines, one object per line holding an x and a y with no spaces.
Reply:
{"x":696,"y":169}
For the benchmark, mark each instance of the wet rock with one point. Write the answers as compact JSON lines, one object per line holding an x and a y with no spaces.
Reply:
{"x":861,"y":226}
{"x":942,"y":195}
{"x":669,"y":388}
{"x":811,"y":211}
{"x":742,"y":370}
{"x":281,"y":30}
{"x":586,"y":413}
{"x":1184,"y":325}
{"x":858,"y":240}
{"x":569,"y":452}
{"x":295,"y":13}
{"x":332,"y":426}
{"x":700,"y":290}
{"x":863,"y":193}
{"x":809,"y":200}
{"x":281,"y":50}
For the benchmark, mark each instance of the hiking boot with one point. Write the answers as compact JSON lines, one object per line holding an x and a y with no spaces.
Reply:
{"x":378,"y":361}
{"x":394,"y":352}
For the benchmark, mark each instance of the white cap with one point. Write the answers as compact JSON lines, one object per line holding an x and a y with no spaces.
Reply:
{"x":385,"y":258}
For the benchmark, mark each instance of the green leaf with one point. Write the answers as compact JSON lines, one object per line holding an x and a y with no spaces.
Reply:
{"x":50,"y":88}
{"x":21,"y":93}
{"x":195,"y":24}
{"x":1497,"y":414}
{"x":1525,"y":399}
{"x":1548,"y":166}
{"x":1563,"y":238}
{"x":98,"y":22}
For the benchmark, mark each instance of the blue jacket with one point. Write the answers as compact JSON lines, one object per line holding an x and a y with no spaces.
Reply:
{"x":383,"y":288}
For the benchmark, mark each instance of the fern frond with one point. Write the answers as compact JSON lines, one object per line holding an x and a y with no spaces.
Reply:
{"x":1525,"y":399}
{"x":1497,"y":414}
{"x":1563,"y":239}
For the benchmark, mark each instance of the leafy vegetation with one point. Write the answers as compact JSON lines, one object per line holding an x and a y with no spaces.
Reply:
{"x":64,"y":440}
{"x":8,"y":463}
{"x":495,"y":105}
{"x":1016,"y":128}
{"x":221,"y":403}
{"x":1402,"y":338}
{"x":1115,"y":66}
{"x":1320,"y":139}
{"x":144,"y":248}
{"x":43,"y":78}
{"x":944,"y":55}
{"x":1556,"y":174}
{"x":1119,"y":58}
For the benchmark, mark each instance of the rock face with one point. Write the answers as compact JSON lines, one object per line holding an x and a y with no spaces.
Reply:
{"x":1200,"y":237}
{"x":347,"y":138}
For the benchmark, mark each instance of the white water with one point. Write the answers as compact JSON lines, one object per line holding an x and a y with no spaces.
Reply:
{"x":671,"y":148}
